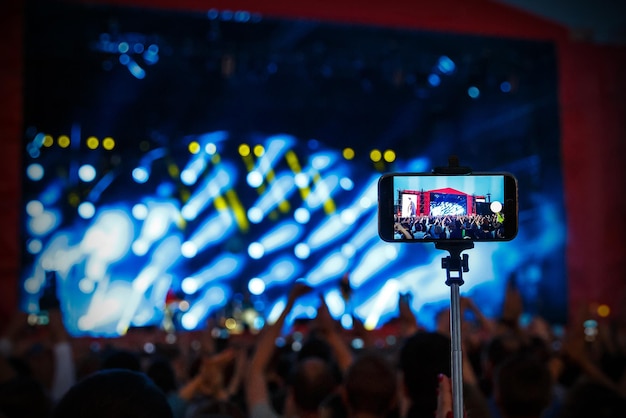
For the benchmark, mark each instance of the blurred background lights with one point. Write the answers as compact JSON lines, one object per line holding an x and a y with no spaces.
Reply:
{"x":302,"y":215}
{"x":348,"y":216}
{"x":43,"y":223}
{"x":357,"y":343}
{"x":446,"y":65}
{"x":92,"y":142}
{"x":189,"y":249}
{"x":321,"y":161}
{"x":305,"y":207}
{"x":210,"y":148}
{"x":35,"y":171}
{"x":32,"y":285}
{"x":365,"y":202}
{"x":346,"y":183}
{"x":141,"y":175}
{"x":64,"y":141}
{"x":151,"y":54}
{"x":259,"y":150}
{"x":348,"y":250}
{"x":348,"y":153}
{"x":389,"y":156}
{"x":375,"y":155}
{"x":108,"y":143}
{"x":505,"y":87}
{"x":35,"y":246}
{"x":230,"y":324}
{"x":302,"y":251}
{"x":40,"y":139}
{"x":86,"y":285}
{"x":254,"y":179}
{"x":255,"y":215}
{"x":33,"y":151}
{"x":193,"y":147}
{"x":256,"y":250}
{"x":149,"y":348}
{"x":434,"y":80}
{"x":473,"y":92}
{"x":604,"y":311}
{"x":256,"y":286}
{"x":301,"y":180}
{"x":244,"y":150}
{"x":87,"y":173}
{"x":86,"y":210}
{"x":391,"y":252}
{"x":140,"y":211}
{"x":189,"y":285}
{"x":188,"y":177}
{"x":346,"y":321}
{"x":123,"y":47}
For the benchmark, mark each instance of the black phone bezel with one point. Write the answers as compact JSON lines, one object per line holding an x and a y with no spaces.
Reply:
{"x":386,"y":207}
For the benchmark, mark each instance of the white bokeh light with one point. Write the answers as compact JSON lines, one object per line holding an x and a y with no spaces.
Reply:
{"x":256,"y":250}
{"x":302,"y":215}
{"x":256,"y":286}
{"x":302,"y":251}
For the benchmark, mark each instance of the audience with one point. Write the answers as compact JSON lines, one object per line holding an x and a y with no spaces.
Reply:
{"x":119,"y":393}
{"x":311,"y":382}
{"x":370,"y":387}
{"x":510,"y":370}
{"x":522,"y":387}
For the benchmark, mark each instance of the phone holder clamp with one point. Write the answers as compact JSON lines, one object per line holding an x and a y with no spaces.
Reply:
{"x":455,"y":264}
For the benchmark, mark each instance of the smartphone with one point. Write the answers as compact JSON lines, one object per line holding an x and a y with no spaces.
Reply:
{"x":430,"y":207}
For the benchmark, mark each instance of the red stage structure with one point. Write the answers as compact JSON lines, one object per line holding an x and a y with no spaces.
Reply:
{"x":423,"y":199}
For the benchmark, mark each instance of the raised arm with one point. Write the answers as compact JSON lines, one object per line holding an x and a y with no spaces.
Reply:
{"x":406,"y":316}
{"x":255,"y":384}
{"x":331,"y":331}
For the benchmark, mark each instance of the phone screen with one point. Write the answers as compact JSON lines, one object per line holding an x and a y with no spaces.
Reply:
{"x":429,"y":207}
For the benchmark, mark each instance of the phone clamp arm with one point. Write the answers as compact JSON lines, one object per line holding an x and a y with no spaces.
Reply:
{"x":453,"y":167}
{"x":456,"y":263}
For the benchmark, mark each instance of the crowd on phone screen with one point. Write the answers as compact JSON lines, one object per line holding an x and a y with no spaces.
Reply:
{"x":509,"y":370}
{"x":474,"y":227}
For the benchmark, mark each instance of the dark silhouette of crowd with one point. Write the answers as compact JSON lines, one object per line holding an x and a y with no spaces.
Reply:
{"x":509,"y":370}
{"x":475,"y":227}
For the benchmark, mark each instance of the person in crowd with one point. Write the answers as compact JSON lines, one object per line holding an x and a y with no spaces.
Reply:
{"x":120,"y":358}
{"x":370,"y":387}
{"x":590,"y":398}
{"x":161,"y":372}
{"x":311,"y":382}
{"x":211,"y":386}
{"x":423,"y":357}
{"x":38,"y":358}
{"x":119,"y":393}
{"x":263,"y":379}
{"x":21,"y":394}
{"x":445,"y":407}
{"x":522,"y":386}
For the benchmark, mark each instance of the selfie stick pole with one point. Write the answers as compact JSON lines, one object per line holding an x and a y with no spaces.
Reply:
{"x":455,"y":265}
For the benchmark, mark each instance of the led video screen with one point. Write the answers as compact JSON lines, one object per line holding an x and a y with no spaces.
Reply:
{"x":181,"y":166}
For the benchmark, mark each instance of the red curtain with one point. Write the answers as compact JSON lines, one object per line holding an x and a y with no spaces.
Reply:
{"x":593,"y":122}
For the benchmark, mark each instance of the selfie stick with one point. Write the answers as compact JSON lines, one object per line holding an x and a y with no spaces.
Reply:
{"x":455,"y":265}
